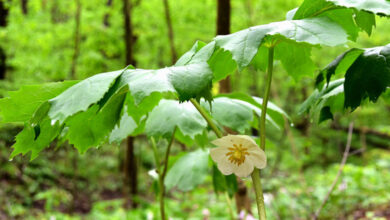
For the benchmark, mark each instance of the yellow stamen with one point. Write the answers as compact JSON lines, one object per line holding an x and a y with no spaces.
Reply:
{"x":237,"y":154}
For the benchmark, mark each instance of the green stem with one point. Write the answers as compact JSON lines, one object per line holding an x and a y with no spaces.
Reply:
{"x":162,"y":173}
{"x":256,"y":173}
{"x":266,"y":97}
{"x":259,"y":193}
{"x":206,"y":116}
{"x":219,"y":134}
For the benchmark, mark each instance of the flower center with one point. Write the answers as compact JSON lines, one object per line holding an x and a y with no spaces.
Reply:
{"x":237,"y":154}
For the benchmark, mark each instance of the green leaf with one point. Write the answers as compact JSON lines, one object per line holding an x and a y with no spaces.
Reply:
{"x":314,"y":98}
{"x":367,"y":74}
{"x":139,"y":112}
{"x":92,"y":127}
{"x":222,"y":183}
{"x":170,"y":114}
{"x":27,"y":140}
{"x":338,"y":65}
{"x":380,"y":7}
{"x":322,"y":104}
{"x":222,"y":64}
{"x":192,"y":80}
{"x":188,"y":171}
{"x":124,"y":128}
{"x":368,"y":77}
{"x":187,"y":57}
{"x":244,"y":44}
{"x":352,"y":15}
{"x":275,"y":115}
{"x":232,"y":113}
{"x":312,"y":8}
{"x":21,"y":105}
{"x":81,"y":96}
{"x":365,"y":21}
{"x":344,"y":17}
{"x":295,"y":59}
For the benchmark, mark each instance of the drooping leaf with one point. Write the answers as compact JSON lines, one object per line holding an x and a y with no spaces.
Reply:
{"x":315,"y":31}
{"x":170,"y":114}
{"x":92,"y":127}
{"x":275,"y":115}
{"x":368,"y":77}
{"x":188,"y":171}
{"x":380,"y":7}
{"x":81,"y":96}
{"x":27,"y":140}
{"x":367,"y":74}
{"x":295,"y":59}
{"x":338,"y":66}
{"x":352,"y":15}
{"x":187,"y":57}
{"x":231,"y":113}
{"x":124,"y":128}
{"x":324,"y":103}
{"x":193,"y":79}
{"x":21,"y":105}
{"x":365,"y":21}
{"x":222,"y":183}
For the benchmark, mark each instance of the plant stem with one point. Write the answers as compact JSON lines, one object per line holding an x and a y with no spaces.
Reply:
{"x":219,"y":134}
{"x":256,"y":173}
{"x":259,"y":193}
{"x":266,"y":97}
{"x":206,"y":116}
{"x":162,"y":173}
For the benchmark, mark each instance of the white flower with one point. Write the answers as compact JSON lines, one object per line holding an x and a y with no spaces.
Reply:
{"x":237,"y":154}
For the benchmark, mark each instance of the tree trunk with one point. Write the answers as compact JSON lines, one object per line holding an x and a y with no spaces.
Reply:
{"x":24,"y":6}
{"x":3,"y":23}
{"x":3,"y":14}
{"x":128,"y":32}
{"x":77,"y":39}
{"x":54,"y":12}
{"x":130,"y":165}
{"x":3,"y":64}
{"x":131,"y":175}
{"x":106,"y":19}
{"x":223,"y":28}
{"x":170,"y":31}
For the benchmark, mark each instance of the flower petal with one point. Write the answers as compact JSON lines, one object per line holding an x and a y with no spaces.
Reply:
{"x":258,"y":158}
{"x":225,"y":167}
{"x":246,"y":141}
{"x":244,"y":170}
{"x":226,"y":141}
{"x":218,"y":153}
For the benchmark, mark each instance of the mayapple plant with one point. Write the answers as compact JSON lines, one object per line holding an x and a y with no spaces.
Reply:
{"x":111,"y":106}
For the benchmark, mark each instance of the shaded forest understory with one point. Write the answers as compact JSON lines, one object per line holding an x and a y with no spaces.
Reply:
{"x":53,"y":41}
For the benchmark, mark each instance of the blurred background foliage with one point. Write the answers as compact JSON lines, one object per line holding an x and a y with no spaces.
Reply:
{"x":38,"y":44}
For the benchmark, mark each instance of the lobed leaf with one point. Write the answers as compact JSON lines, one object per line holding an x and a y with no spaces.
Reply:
{"x":244,"y":44}
{"x":21,"y":105}
{"x":275,"y":115}
{"x":171,"y":114}
{"x":188,"y":171}
{"x":323,"y":103}
{"x":352,"y":15}
{"x":367,"y":74}
{"x":27,"y":140}
{"x":81,"y":96}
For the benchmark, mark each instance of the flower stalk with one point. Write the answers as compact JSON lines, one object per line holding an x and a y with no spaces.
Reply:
{"x":162,"y":171}
{"x":256,"y":173}
{"x":219,"y":134}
